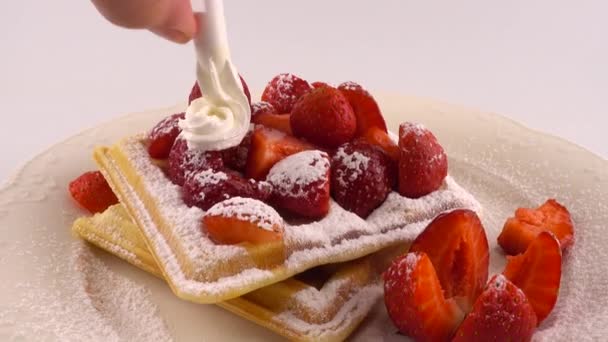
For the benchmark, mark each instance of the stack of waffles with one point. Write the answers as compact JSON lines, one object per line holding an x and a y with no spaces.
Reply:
{"x":318,"y":282}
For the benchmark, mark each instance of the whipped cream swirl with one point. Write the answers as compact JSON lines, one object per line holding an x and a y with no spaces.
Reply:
{"x":220,"y":119}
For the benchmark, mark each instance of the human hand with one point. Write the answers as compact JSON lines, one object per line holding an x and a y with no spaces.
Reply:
{"x":171,"y":19}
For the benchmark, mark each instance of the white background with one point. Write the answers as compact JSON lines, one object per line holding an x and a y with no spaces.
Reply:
{"x":543,"y":63}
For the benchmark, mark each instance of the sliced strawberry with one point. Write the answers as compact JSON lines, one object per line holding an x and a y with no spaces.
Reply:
{"x":183,"y":161}
{"x":92,"y":192}
{"x":415,"y":302}
{"x":262,"y":108}
{"x":519,"y":231}
{"x":240,"y":219}
{"x":195,"y":93}
{"x":301,"y":184}
{"x":423,"y":164}
{"x":319,"y":84}
{"x":361,"y":177}
{"x":501,"y":313}
{"x":537,"y":272}
{"x":456,"y":244}
{"x":163,"y":135}
{"x":364,"y":106}
{"x":380,"y":138}
{"x":279,"y":122}
{"x":284,"y":90}
{"x":236,"y":157}
{"x":268,"y":146}
{"x":208,"y":187}
{"x":324,"y":117}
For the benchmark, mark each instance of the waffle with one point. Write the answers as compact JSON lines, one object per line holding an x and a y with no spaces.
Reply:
{"x":323,"y":304}
{"x":201,"y":271}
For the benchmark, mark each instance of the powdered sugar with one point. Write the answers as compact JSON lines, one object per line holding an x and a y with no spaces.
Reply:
{"x":410,"y":127}
{"x":247,"y":209}
{"x":350,"y":85}
{"x":261,"y":107}
{"x":291,"y":175}
{"x":206,"y":177}
{"x":356,"y":164}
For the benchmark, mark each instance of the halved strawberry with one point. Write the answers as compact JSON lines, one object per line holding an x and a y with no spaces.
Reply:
{"x":301,"y":184}
{"x":456,"y":244}
{"x":415,"y":301}
{"x":323,"y":117}
{"x":268,"y":146}
{"x":537,"y":272}
{"x":163,"y":135}
{"x":195,"y":93}
{"x":364,"y":106}
{"x":501,"y":313}
{"x":92,"y":192}
{"x":519,"y":231}
{"x":380,"y":138}
{"x":277,"y":121}
{"x":240,"y":219}
{"x":284,"y":90}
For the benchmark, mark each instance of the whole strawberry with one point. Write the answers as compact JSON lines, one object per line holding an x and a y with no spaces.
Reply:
{"x":284,"y":90}
{"x":92,"y":192}
{"x":361,"y":177}
{"x":163,"y":135}
{"x":183,"y":161}
{"x":324,"y":117}
{"x":423,"y":164}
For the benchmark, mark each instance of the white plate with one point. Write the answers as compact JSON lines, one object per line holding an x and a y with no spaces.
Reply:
{"x":505,"y":165}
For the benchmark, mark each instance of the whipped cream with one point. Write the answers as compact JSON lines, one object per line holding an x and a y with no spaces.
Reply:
{"x":220,"y":119}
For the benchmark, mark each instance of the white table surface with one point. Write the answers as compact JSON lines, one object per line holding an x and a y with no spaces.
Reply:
{"x":544,"y":63}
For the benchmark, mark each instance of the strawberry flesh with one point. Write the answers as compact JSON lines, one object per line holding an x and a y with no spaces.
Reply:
{"x":280,"y":122}
{"x":92,"y":192}
{"x":364,"y":106}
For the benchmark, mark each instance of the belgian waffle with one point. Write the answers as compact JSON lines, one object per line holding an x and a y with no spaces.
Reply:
{"x":323,"y":304}
{"x":201,"y":271}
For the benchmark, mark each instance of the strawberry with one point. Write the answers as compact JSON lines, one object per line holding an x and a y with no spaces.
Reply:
{"x":319,"y":84}
{"x":423,"y":164}
{"x":380,"y":138}
{"x":537,"y":272}
{"x":262,"y":108}
{"x":183,"y":161}
{"x":456,"y":244}
{"x":324,"y":117}
{"x":415,"y":302}
{"x":361,"y":177}
{"x":268,"y":146}
{"x":284,"y":90}
{"x":501,"y":313}
{"x":236,"y":157}
{"x":519,"y":231}
{"x":240,"y":219}
{"x":163,"y":135}
{"x":195,"y":93}
{"x":279,"y":122}
{"x":301,"y":184}
{"x":364,"y":106}
{"x":92,"y":192}
{"x":208,"y":187}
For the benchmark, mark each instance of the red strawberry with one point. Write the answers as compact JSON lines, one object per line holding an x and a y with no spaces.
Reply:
{"x":380,"y":138}
{"x":324,"y":117}
{"x":279,"y":122}
{"x":501,"y":313}
{"x":456,"y":244}
{"x":208,"y":187}
{"x":415,"y":301}
{"x":537,"y":272}
{"x":301,"y":184}
{"x":519,"y":231}
{"x":183,"y":161}
{"x":423,"y":164}
{"x":319,"y":84}
{"x":284,"y":90}
{"x":92,"y":192}
{"x":268,"y":146}
{"x":364,"y":106}
{"x":163,"y":135}
{"x":361,"y":177}
{"x":240,"y":219}
{"x":195,"y":93}
{"x":262,"y":108}
{"x":236,"y":157}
